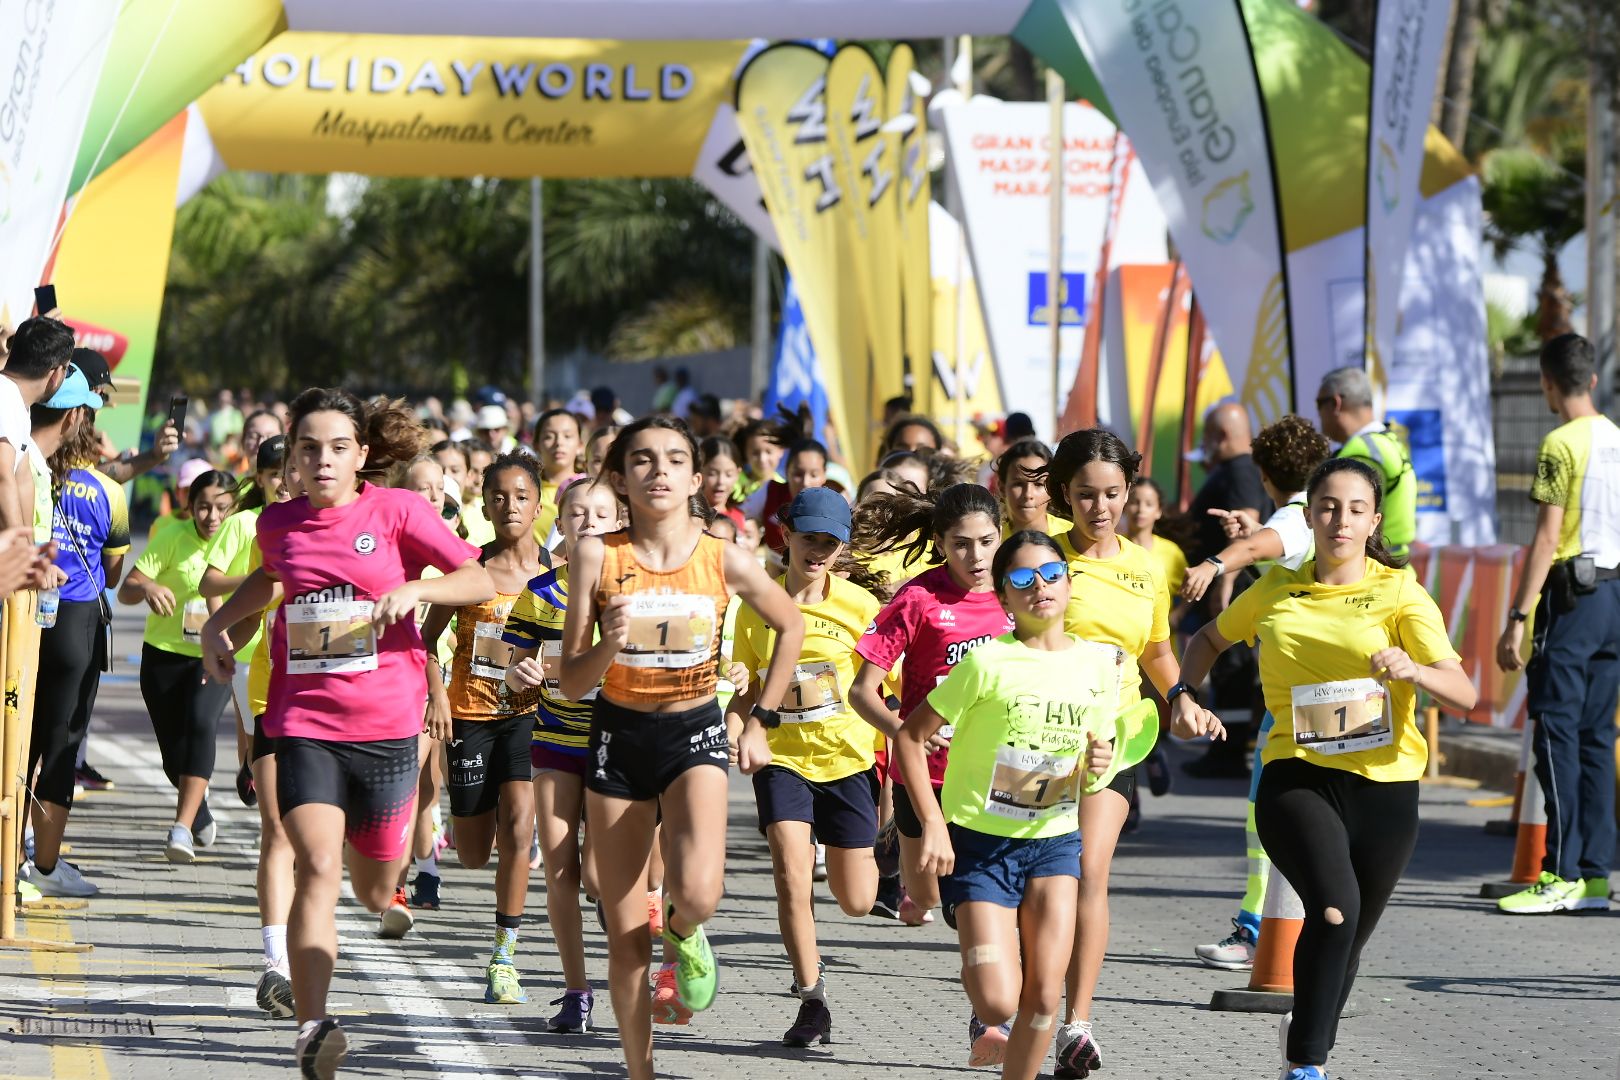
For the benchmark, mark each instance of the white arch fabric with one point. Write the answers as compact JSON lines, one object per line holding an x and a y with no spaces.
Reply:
{"x":662,"y":20}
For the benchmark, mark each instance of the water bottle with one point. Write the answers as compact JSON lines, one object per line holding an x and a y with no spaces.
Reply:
{"x":45,"y":614}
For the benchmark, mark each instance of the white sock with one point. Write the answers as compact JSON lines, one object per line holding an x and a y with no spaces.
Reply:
{"x":817,"y":992}
{"x":275,"y":943}
{"x":429,"y":865}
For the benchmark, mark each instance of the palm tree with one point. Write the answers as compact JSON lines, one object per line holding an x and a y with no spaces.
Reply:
{"x":1531,"y":198}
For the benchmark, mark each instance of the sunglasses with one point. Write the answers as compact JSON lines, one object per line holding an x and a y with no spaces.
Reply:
{"x":1023,"y":577}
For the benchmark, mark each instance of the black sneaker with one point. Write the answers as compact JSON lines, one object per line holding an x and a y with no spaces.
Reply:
{"x":89,"y":777}
{"x":793,"y":987}
{"x":887,"y":850}
{"x":244,"y":786}
{"x":320,"y":1049}
{"x":814,"y":1023}
{"x":1157,"y":767}
{"x":887,"y":904}
{"x":425,"y":892}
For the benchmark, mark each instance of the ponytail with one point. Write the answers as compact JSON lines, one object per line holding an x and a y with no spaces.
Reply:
{"x":389,"y":429}
{"x":883,"y":521}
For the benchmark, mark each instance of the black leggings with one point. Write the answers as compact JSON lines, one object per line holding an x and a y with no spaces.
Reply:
{"x":185,"y":711}
{"x":1342,"y":841}
{"x":70,"y":656}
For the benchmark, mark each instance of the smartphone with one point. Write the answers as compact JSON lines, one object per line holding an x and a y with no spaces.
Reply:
{"x":45,"y":299}
{"x":177,"y":413}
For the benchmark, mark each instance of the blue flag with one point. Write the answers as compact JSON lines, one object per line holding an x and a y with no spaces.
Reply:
{"x":795,"y":379}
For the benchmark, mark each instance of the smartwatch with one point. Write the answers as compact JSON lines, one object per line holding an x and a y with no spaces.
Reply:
{"x":1179,"y":689}
{"x":1515,"y":615}
{"x":769,"y":717}
{"x":1215,"y":561}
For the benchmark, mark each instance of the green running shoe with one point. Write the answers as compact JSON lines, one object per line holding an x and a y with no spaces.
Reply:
{"x":697,"y":976}
{"x":1595,"y":895}
{"x":1550,"y":893}
{"x":502,"y":986}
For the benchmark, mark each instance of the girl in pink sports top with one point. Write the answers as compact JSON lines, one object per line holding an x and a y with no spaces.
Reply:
{"x":346,"y":706}
{"x":934,"y":620}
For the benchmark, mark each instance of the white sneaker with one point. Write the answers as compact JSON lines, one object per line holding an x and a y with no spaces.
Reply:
{"x":320,"y":1049}
{"x":819,"y":873}
{"x":64,"y":880}
{"x":180,"y":849}
{"x":205,"y":827}
{"x":1233,"y":953}
{"x":1283,"y":1022}
{"x":1078,"y":1054}
{"x":274,"y":993}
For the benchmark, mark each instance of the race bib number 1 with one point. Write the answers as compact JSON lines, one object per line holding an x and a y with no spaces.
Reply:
{"x":669,"y":630}
{"x":491,"y":656}
{"x":1030,"y":785}
{"x":323,"y":639}
{"x":1342,"y":717}
{"x":813,"y":694}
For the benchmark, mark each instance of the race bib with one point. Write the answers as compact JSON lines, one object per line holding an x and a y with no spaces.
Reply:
{"x":327,"y":638}
{"x":669,"y":630}
{"x":1342,"y":717}
{"x":812,"y":695}
{"x":1031,"y":785}
{"x":551,"y":666}
{"x":1116,"y":660}
{"x":192,"y":618}
{"x":491,"y":656}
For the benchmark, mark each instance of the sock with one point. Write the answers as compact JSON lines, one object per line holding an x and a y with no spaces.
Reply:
{"x":430,"y":864}
{"x":275,"y":943}
{"x":506,"y":934}
{"x":817,"y":992}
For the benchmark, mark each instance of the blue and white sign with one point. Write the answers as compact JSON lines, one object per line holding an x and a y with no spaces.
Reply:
{"x":1071,"y":299}
{"x":794,"y":378}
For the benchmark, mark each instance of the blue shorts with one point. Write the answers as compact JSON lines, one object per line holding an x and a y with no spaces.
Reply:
{"x":997,"y":869}
{"x":843,"y":812}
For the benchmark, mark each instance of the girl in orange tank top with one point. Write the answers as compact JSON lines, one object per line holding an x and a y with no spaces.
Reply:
{"x":656,"y":594}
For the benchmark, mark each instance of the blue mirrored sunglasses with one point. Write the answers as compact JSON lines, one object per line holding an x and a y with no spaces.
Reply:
{"x":1022,"y":577}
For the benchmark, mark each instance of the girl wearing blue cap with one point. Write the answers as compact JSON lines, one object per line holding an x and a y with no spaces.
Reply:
{"x":821,"y":774}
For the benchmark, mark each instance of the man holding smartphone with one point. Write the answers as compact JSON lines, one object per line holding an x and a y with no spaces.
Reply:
{"x":1572,"y":573}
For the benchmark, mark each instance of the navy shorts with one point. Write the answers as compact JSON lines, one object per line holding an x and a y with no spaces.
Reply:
{"x":905,"y":814}
{"x":842,"y":812}
{"x":484,"y":754}
{"x":997,"y":869}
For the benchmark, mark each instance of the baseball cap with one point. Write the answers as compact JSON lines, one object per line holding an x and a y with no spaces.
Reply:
{"x":492,"y":418}
{"x":272,"y":453}
{"x":191,"y":470}
{"x":74,"y":391}
{"x":94,"y":366}
{"x":818,"y":510}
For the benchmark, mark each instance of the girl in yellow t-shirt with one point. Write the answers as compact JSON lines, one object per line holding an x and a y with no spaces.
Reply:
{"x":821,"y":774}
{"x":1021,"y":482}
{"x":558,"y":439}
{"x":1118,"y":604}
{"x":1350,"y":639}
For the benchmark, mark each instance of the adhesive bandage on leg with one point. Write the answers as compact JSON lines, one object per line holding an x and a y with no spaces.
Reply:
{"x":1040,"y":1021}
{"x":982,"y":954}
{"x":1333,"y":915}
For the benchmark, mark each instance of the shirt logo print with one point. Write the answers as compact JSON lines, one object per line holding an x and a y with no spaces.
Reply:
{"x":365,"y":543}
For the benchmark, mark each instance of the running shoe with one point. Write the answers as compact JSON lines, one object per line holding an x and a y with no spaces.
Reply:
{"x":818,"y":872}
{"x":655,"y":912}
{"x":601,"y":913}
{"x":887,"y":904}
{"x":501,"y":986}
{"x":986,"y":1045}
{"x":821,"y":969}
{"x":1133,"y":814}
{"x":1235,"y":952}
{"x":244,"y":785}
{"x":1283,"y":1025}
{"x":63,"y":880}
{"x":274,"y":993}
{"x":396,"y":919}
{"x":1157,"y":767}
{"x":886,"y":850}
{"x":425,"y":891}
{"x":180,"y":848}
{"x":320,"y":1049}
{"x":534,"y":852}
{"x":814,"y":1024}
{"x":574,"y":1018}
{"x":1596,"y":894}
{"x":1550,"y":893}
{"x":697,"y":976}
{"x":89,"y":777}
{"x":203,"y":827}
{"x":912,"y":915}
{"x":667,"y":1007}
{"x":948,"y":909}
{"x":1077,"y":1051}
{"x":28,"y":843}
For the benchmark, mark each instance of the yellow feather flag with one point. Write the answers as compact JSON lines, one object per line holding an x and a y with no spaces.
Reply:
{"x":908,"y":112}
{"x":782,"y":113}
{"x":868,"y":156}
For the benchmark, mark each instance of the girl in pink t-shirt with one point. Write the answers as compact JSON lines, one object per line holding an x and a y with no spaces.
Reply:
{"x":350,"y":691}
{"x":934,"y":620}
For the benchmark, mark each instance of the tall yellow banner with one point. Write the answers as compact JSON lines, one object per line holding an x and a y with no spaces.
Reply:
{"x":782,"y":112}
{"x":868,"y":156}
{"x":908,"y":113}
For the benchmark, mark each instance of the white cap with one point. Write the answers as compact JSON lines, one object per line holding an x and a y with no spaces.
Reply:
{"x":492,"y":418}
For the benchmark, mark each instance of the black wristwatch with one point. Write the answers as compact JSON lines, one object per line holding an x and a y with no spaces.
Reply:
{"x":769,"y":717}
{"x":1179,"y":689}
{"x":1215,"y":561}
{"x":1515,"y":615}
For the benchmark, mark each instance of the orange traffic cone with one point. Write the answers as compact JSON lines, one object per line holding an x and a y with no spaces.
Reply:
{"x":1509,"y":826}
{"x":1530,"y":846}
{"x":1271,"y":980}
